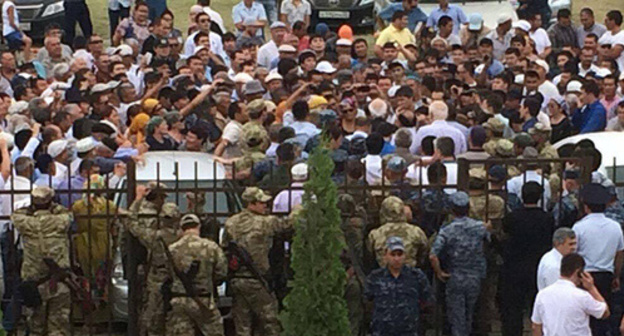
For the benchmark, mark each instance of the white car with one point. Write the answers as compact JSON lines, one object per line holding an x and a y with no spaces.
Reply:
{"x":191,"y":170}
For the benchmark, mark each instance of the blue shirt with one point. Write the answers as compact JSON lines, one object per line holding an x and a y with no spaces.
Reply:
{"x":240,"y":13}
{"x":598,"y":238}
{"x":76,"y":183}
{"x":413,"y":16}
{"x":454,"y":12}
{"x":529,"y":124}
{"x":590,"y":118}
{"x":396,"y":300}
{"x":387,"y":148}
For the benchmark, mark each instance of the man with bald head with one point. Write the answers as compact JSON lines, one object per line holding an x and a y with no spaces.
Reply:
{"x":438,"y":113}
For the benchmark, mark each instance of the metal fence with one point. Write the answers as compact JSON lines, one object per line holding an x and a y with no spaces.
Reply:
{"x":113,"y":267}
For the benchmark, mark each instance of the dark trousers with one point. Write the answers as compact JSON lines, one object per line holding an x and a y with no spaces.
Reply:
{"x":114,"y":16}
{"x":517,"y":293}
{"x":77,"y":12}
{"x":603,"y":281}
{"x":11,"y":307}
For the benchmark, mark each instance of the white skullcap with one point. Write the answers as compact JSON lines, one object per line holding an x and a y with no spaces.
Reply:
{"x":84,"y":145}
{"x":299,"y":171}
{"x":56,"y":147}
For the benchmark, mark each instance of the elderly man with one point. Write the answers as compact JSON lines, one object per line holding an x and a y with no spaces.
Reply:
{"x":564,"y":243}
{"x":55,"y":54}
{"x":438,"y":112}
{"x":501,"y":36}
{"x":269,"y":51}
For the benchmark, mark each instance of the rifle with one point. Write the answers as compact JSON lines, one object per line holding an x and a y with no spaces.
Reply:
{"x":66,"y":276}
{"x":186,"y":279}
{"x":243,"y":257}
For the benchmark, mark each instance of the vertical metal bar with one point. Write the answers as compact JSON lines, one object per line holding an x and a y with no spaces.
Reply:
{"x":133,"y":290}
{"x":109,"y":251}
{"x":177,"y":182}
{"x":92,"y":282}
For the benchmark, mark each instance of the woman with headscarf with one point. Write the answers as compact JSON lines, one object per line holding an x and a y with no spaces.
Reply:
{"x":93,"y":239}
{"x":157,"y":135}
{"x":151,"y":107}
{"x":136,"y":131}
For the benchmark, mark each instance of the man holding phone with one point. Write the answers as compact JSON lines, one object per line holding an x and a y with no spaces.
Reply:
{"x":564,"y":309}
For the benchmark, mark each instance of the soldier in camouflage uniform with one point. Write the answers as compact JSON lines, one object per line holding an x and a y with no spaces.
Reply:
{"x":253,"y":230}
{"x":615,"y":210}
{"x":44,"y":230}
{"x":149,"y":219}
{"x":186,"y":315}
{"x":353,"y":225}
{"x":541,"y":136}
{"x":505,"y":149}
{"x":566,"y":210}
{"x":256,"y":110}
{"x":167,"y":228}
{"x":494,"y":214}
{"x":494,"y":129}
{"x":460,"y":244}
{"x":393,"y":223}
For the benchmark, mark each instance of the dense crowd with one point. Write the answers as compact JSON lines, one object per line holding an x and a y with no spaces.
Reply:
{"x":400,"y":113}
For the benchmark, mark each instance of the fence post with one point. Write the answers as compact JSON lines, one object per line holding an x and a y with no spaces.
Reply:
{"x":462,"y":174}
{"x":133,"y":262}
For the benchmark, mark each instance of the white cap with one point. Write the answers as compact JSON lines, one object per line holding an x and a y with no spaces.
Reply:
{"x":344,"y":42}
{"x":99,"y":88}
{"x":299,"y":172}
{"x":503,"y":18}
{"x":84,"y":145}
{"x":393,"y":90}
{"x":541,"y":63}
{"x":273,"y":76}
{"x":18,"y":107}
{"x":522,"y":24}
{"x":123,"y":50}
{"x":278,"y":24}
{"x":9,"y":138}
{"x":56,"y":147}
{"x":198,"y":49}
{"x":602,"y":73}
{"x":287,"y":48}
{"x":242,"y":77}
{"x":325,"y":67}
{"x":519,"y":79}
{"x":574,"y":86}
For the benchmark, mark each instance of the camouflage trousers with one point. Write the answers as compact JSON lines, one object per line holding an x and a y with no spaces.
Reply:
{"x":51,"y":318}
{"x":152,"y":313}
{"x":186,"y":317}
{"x":462,"y":293}
{"x":253,"y":306}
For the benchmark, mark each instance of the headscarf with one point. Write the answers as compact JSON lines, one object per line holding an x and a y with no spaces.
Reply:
{"x":95,"y":184}
{"x":137,"y":126}
{"x":149,"y":105}
{"x":152,"y":124}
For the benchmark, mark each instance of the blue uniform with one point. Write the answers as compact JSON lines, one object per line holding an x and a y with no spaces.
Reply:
{"x":397,"y":300}
{"x":461,"y":242}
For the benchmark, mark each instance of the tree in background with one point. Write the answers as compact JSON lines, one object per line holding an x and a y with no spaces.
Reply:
{"x":316,"y":306}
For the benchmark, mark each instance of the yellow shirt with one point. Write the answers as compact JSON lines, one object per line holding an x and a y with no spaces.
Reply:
{"x":392,"y":34}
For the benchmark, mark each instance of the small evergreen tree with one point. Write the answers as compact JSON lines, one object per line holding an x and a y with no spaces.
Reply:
{"x":316,"y":305}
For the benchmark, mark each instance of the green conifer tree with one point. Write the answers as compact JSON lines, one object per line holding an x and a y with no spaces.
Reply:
{"x":316,"y":305}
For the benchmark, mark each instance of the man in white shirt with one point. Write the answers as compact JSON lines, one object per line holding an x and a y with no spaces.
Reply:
{"x":216,"y":44}
{"x":514,"y":185}
{"x":612,"y":41}
{"x":540,"y":36}
{"x":269,"y":51}
{"x":288,"y":199}
{"x":563,"y":308}
{"x":373,"y":162}
{"x":564,"y":242}
{"x":438,"y":112}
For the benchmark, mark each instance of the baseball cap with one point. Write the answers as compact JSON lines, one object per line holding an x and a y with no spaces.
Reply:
{"x":255,"y":194}
{"x":574,"y":86}
{"x":273,"y":76}
{"x":522,"y":24}
{"x":162,"y":43}
{"x":397,"y":164}
{"x":325,"y":67}
{"x":460,"y":199}
{"x":287,"y":48}
{"x":395,"y":244}
{"x":503,"y":18}
{"x":278,"y":24}
{"x":475,"y":22}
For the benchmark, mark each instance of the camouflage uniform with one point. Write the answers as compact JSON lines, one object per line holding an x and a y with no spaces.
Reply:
{"x":460,"y":244}
{"x":253,"y":232}
{"x":164,"y":226}
{"x":566,"y":211}
{"x":185,"y":315}
{"x":505,"y":149}
{"x":44,"y":235}
{"x":392,"y":218}
{"x":353,"y":225}
{"x":496,"y":127}
{"x":615,"y":211}
{"x":254,"y":139}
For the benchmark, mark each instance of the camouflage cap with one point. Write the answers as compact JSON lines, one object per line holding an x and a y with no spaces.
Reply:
{"x":189,"y":220}
{"x":477,"y":173}
{"x":346,"y":204}
{"x":530,"y":153}
{"x":395,"y":243}
{"x":253,"y":135}
{"x":460,"y":199}
{"x":523,"y":140}
{"x":495,"y":125}
{"x":540,"y":128}
{"x":396,"y":164}
{"x":255,"y":194}
{"x":170,"y":210}
{"x":256,"y":105}
{"x":154,"y":186}
{"x":505,"y":148}
{"x":392,"y":210}
{"x":42,"y":195}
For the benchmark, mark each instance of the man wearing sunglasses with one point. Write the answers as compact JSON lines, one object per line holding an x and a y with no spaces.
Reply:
{"x":410,"y":7}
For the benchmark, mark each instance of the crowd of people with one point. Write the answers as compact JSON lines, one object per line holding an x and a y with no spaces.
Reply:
{"x":397,"y":112}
